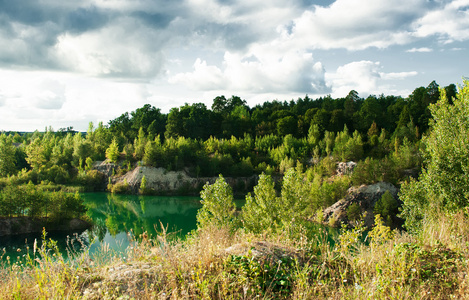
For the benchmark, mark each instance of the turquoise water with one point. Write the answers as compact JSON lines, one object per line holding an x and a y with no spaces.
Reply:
{"x":119,"y":220}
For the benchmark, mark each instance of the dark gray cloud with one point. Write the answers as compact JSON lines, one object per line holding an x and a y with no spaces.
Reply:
{"x":27,"y":11}
{"x":153,"y":19}
{"x":85,"y":19}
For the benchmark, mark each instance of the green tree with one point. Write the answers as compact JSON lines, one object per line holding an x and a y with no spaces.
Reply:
{"x":444,"y":183}
{"x":218,"y":208}
{"x":143,"y":185}
{"x":295,"y":196}
{"x":286,"y":125}
{"x":36,"y":154}
{"x":112,"y":152}
{"x":262,"y":211}
{"x":7,"y":156}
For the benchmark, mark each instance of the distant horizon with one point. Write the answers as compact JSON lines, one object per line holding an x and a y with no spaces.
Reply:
{"x":68,"y":64}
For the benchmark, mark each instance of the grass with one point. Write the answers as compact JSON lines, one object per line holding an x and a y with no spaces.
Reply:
{"x":216,"y":263}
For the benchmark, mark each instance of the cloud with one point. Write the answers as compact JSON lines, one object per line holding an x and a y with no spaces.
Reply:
{"x":261,"y":70}
{"x":365,"y":77}
{"x":99,"y":53}
{"x":131,"y":39}
{"x":422,"y":49}
{"x":202,"y":78}
{"x":50,"y":94}
{"x":450,"y":22}
{"x":358,"y":24}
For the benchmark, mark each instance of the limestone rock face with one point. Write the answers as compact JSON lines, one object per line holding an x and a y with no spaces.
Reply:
{"x":365,"y":196}
{"x":104,"y":167}
{"x":162,"y":181}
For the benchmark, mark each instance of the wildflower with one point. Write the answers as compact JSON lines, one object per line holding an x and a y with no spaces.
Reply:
{"x":18,"y":250}
{"x":358,"y":287}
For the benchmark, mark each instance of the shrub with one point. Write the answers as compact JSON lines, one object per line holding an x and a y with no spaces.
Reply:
{"x":386,"y":206}
{"x":354,"y":212}
{"x":120,"y":187}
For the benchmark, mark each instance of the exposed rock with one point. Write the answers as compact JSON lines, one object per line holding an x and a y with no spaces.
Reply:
{"x":162,"y":181}
{"x":345,"y":168}
{"x":132,"y":280}
{"x":262,"y":250}
{"x":365,"y":196}
{"x":105,"y":167}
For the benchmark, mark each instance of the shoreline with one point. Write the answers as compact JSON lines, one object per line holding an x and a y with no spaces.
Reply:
{"x":11,"y":226}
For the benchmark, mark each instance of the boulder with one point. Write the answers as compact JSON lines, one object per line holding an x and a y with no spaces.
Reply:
{"x":365,"y":196}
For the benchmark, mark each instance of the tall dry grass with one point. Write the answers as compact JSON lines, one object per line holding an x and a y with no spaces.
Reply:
{"x":218,"y":263}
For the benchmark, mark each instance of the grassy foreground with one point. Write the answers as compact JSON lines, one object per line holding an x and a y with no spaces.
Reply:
{"x":216,"y":264}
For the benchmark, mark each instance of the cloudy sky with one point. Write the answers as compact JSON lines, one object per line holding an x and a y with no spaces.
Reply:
{"x":67,"y":63}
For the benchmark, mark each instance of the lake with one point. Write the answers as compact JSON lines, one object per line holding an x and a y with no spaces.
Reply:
{"x":115,"y":216}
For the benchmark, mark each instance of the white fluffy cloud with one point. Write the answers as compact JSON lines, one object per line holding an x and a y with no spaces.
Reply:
{"x":422,"y":49}
{"x":365,"y":77}
{"x":450,"y":23}
{"x":258,"y":71}
{"x":357,"y":24}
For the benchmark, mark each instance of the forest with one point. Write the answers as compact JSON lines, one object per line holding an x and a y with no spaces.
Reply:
{"x":415,"y":249}
{"x":381,"y":133}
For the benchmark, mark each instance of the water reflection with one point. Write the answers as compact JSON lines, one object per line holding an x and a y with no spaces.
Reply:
{"x":118,"y":221}
{"x":115,"y":214}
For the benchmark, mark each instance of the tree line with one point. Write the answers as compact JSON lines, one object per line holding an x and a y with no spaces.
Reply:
{"x":382,"y":133}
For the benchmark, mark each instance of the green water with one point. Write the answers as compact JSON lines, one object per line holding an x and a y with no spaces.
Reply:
{"x":119,"y":219}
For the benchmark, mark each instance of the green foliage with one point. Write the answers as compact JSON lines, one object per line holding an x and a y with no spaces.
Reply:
{"x":7,"y":156}
{"x":218,"y":208}
{"x":386,"y":207}
{"x":121,"y":187}
{"x":380,"y":233}
{"x":32,"y":201}
{"x":92,"y":180}
{"x":407,"y":156}
{"x":354,"y":212}
{"x":411,"y":264}
{"x":348,"y":147}
{"x":112,"y":152}
{"x":262,"y":211}
{"x":372,"y":170}
{"x":295,"y":196}
{"x":143,"y":186}
{"x":444,"y":183}
{"x":263,"y":275}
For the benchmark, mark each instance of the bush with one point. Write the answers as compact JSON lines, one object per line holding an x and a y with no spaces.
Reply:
{"x":386,"y":206}
{"x":120,"y":188}
{"x":354,"y":212}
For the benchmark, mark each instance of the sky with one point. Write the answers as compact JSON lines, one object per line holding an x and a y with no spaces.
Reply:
{"x":68,"y":63}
